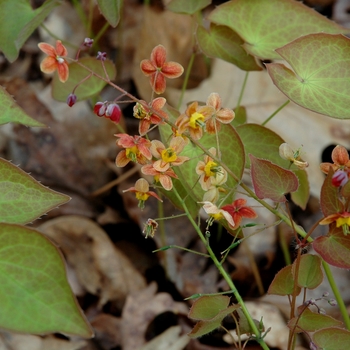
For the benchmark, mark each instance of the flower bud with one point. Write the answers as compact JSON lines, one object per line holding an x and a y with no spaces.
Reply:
{"x":286,"y":152}
{"x":101,"y":56}
{"x":332,"y":302}
{"x":113,"y":112}
{"x":88,"y":42}
{"x":71,"y":99}
{"x":340,"y":178}
{"x":100,"y":109}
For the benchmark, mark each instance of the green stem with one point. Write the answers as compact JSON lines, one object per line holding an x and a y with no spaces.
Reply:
{"x":224,"y":275}
{"x":242,"y":89}
{"x":187,"y":76}
{"x":182,"y":248}
{"x":275,"y":112}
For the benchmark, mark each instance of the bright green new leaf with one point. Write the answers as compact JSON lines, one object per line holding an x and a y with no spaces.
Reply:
{"x":111,"y":10}
{"x":222,"y":42}
{"x":92,"y":86}
{"x":283,"y":283}
{"x":309,"y":321}
{"x":321,"y":78}
{"x":301,"y":195}
{"x":22,"y":198}
{"x":18,"y":21}
{"x":188,"y":7}
{"x":334,"y":248}
{"x":310,"y":273}
{"x":12,"y":113}
{"x":35,"y":296}
{"x":270,"y":180}
{"x":266,"y":25}
{"x":332,"y":338}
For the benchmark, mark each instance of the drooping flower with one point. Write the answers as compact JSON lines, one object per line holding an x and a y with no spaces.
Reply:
{"x":142,"y":192}
{"x":220,"y":115}
{"x":340,"y":219}
{"x":113,"y":112}
{"x":208,"y":170}
{"x":213,"y":192}
{"x":163,"y":177}
{"x":158,"y":69}
{"x":71,"y":100}
{"x":218,"y":214}
{"x":137,"y":149}
{"x":340,"y":157}
{"x":167,"y":157}
{"x":286,"y":152}
{"x":55,"y":60}
{"x":150,"y":228}
{"x":238,"y":211}
{"x":150,"y":115}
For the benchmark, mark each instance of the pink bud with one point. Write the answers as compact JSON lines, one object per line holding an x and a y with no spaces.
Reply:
{"x":71,"y":99}
{"x":88,"y":42}
{"x":340,"y":178}
{"x":100,"y":109}
{"x":113,"y":112}
{"x":101,"y":56}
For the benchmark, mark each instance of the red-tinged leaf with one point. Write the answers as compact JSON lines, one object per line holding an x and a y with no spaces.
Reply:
{"x":321,"y":76}
{"x":310,"y":273}
{"x":77,"y":73}
{"x":329,"y":199}
{"x":332,"y":338}
{"x":188,"y":7}
{"x":334,"y":248}
{"x":222,"y":42}
{"x":283,"y":283}
{"x":207,"y":307}
{"x":311,"y":321}
{"x":345,"y":191}
{"x":301,"y":195}
{"x":207,"y":326}
{"x":266,"y":25}
{"x":270,"y":180}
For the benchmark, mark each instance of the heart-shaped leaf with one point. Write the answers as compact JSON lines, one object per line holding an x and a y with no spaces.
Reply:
{"x":22,"y":198}
{"x":310,"y":273}
{"x":222,"y":42}
{"x":110,"y":10}
{"x":35,"y":296}
{"x":334,"y":248}
{"x":188,"y":7}
{"x":321,"y":77}
{"x":207,"y":307}
{"x":18,"y":20}
{"x":332,"y":338}
{"x":12,"y":113}
{"x":283,"y":283}
{"x":266,"y":25}
{"x":270,"y":180}
{"x":77,"y":73}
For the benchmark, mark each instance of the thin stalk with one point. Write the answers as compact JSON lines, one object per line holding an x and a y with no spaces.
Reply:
{"x":182,"y":248}
{"x":275,"y":112}
{"x":224,"y":275}
{"x":242,"y":89}
{"x":187,"y":76}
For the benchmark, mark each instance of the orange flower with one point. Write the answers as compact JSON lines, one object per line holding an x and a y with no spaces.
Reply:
{"x":340,"y":157}
{"x":157,"y":69}
{"x":218,"y":214}
{"x":55,"y":60}
{"x":163,"y":177}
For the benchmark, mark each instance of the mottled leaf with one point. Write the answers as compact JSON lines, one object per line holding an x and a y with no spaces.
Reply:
{"x":35,"y":296}
{"x":22,"y":198}
{"x":321,"y":78}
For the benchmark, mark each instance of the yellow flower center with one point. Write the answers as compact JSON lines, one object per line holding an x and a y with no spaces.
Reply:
{"x":141,"y":196}
{"x":217,"y":216}
{"x":343,"y":221}
{"x":210,"y":168}
{"x":168,"y":155}
{"x":140,"y":112}
{"x":132,"y":153}
{"x":196,"y":120}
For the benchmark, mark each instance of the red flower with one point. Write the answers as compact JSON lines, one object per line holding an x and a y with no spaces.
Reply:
{"x":238,"y":210}
{"x":164,"y":177}
{"x":55,"y":60}
{"x":157,"y":69}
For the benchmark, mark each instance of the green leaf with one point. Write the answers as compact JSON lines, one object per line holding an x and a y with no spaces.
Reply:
{"x":309,"y":321}
{"x":222,"y":42}
{"x":22,"y":198}
{"x":188,"y":7}
{"x":266,"y":25}
{"x":283,"y":283}
{"x":270,"y":180}
{"x":77,"y":73}
{"x":301,"y":195}
{"x":334,"y":248}
{"x":18,"y":20}
{"x":12,"y":113}
{"x":207,"y":307}
{"x":332,"y":338}
{"x":321,"y":78}
{"x":35,"y":296}
{"x":329,"y":199}
{"x":111,"y":10}
{"x":310,"y":273}
{"x":240,"y":116}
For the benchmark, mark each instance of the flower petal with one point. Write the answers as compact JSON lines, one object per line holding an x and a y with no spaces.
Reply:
{"x":166,"y":182}
{"x":60,"y":49}
{"x":122,"y":159}
{"x":48,"y":65}
{"x":214,"y":100}
{"x":144,"y":126}
{"x":158,"y":82}
{"x":340,"y":155}
{"x":225,"y":115}
{"x":158,"y":56}
{"x":147,"y":67}
{"x":48,"y":49}
{"x":172,"y":69}
{"x":63,"y":71}
{"x":158,"y":103}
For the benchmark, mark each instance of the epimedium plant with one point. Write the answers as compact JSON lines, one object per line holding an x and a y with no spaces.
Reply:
{"x":202,"y":154}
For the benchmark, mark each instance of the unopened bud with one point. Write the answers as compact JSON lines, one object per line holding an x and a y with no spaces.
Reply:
{"x":340,"y":178}
{"x":113,"y":112}
{"x":100,"y":109}
{"x":71,"y":99}
{"x":88,"y":42}
{"x":101,"y":56}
